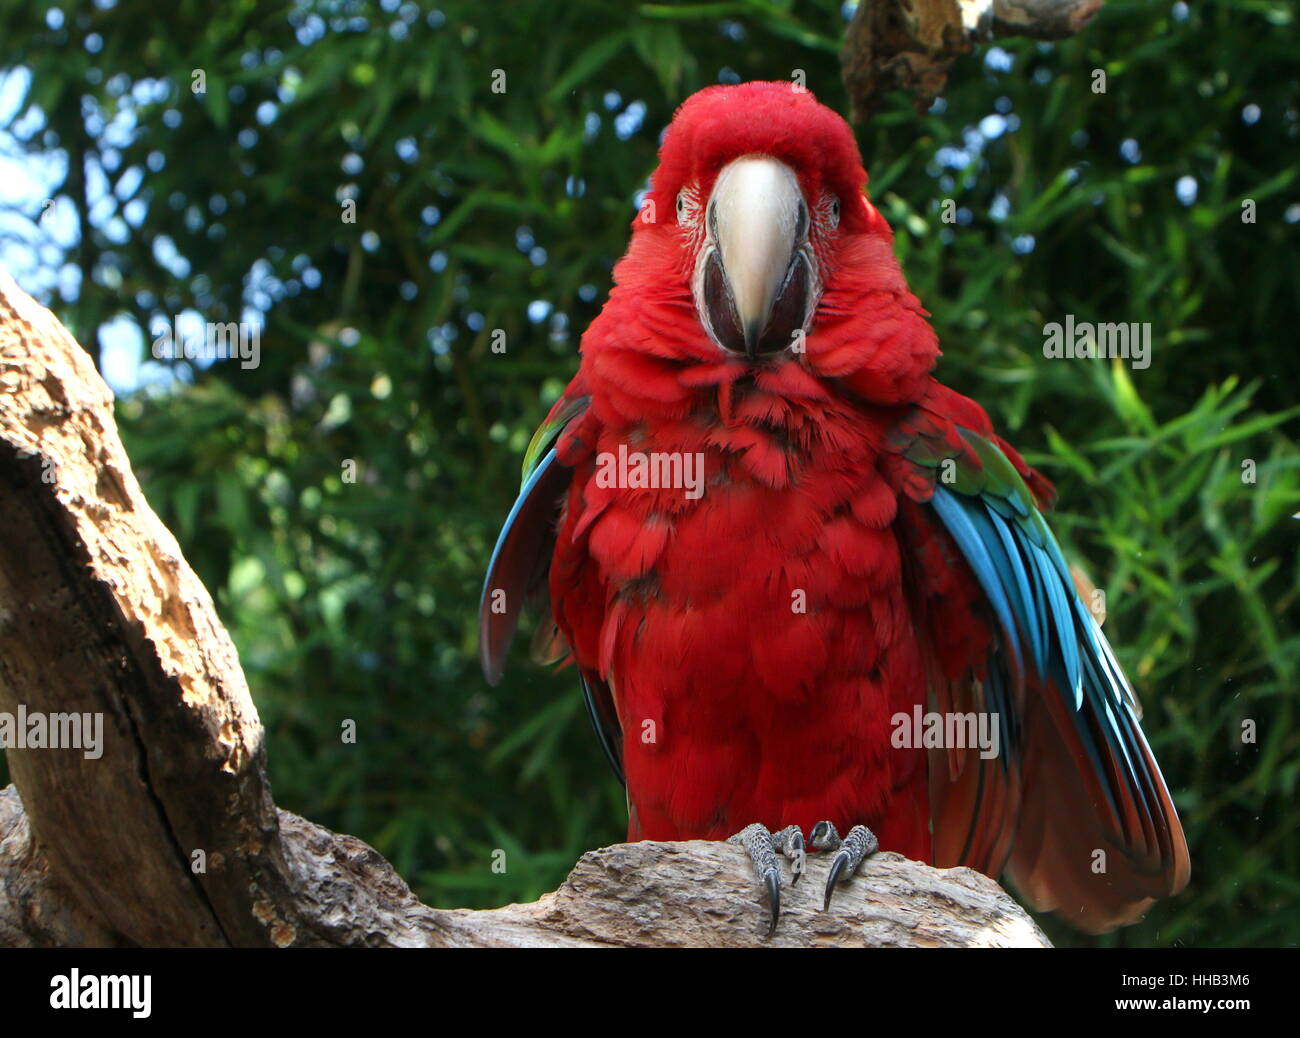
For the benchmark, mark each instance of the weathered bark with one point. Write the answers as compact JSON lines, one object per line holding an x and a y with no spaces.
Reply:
{"x":696,"y":894}
{"x":911,"y":44}
{"x":101,"y":616}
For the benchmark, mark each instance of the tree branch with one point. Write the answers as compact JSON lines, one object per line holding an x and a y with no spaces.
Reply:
{"x":911,"y":44}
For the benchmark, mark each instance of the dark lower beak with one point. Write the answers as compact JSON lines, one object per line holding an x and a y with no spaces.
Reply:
{"x":774,"y":328}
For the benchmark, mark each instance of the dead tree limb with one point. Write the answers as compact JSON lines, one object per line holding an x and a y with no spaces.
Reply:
{"x":167,"y":835}
{"x":911,"y":44}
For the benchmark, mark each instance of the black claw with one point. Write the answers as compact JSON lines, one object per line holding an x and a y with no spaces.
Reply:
{"x":773,"y":882}
{"x":859,"y":843}
{"x":837,"y":866}
{"x":763,"y":847}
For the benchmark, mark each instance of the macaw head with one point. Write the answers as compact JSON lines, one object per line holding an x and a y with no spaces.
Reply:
{"x":758,"y":199}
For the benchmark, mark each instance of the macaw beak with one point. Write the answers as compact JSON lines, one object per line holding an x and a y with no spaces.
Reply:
{"x":756,"y":278}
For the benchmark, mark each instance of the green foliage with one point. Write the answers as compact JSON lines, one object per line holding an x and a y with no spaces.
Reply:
{"x":478,"y":211}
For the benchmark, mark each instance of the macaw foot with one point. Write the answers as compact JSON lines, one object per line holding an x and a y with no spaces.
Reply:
{"x":764,"y":847}
{"x":851,"y":851}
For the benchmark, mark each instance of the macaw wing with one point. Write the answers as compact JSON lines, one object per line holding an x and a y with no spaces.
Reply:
{"x":517,"y":575}
{"x":1075,"y":806}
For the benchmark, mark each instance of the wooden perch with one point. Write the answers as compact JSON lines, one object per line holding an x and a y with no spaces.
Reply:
{"x":165,"y":833}
{"x":911,"y":44}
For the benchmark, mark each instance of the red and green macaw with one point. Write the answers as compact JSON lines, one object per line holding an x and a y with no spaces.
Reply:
{"x":770,"y":540}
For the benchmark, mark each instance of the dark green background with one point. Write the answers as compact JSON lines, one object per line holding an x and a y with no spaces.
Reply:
{"x":357,"y":600}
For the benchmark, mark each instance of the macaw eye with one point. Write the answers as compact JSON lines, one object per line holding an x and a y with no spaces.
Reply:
{"x":835,"y":213}
{"x":681,"y":205}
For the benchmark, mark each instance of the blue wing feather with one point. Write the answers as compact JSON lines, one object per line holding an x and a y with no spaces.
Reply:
{"x":518,"y":570}
{"x":522,"y":549}
{"x":957,"y":518}
{"x":1051,"y":648}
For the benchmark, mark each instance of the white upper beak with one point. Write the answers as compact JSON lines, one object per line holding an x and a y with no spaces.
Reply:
{"x":755,"y":206}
